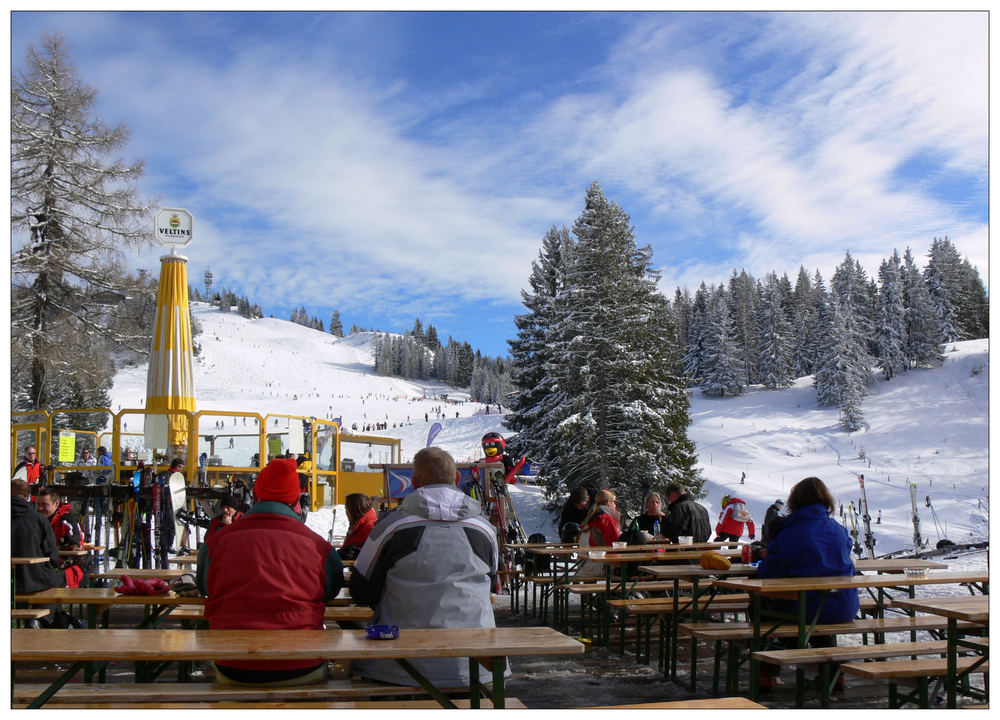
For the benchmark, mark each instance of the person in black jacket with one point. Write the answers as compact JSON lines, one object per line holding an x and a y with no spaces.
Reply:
{"x":31,"y":535}
{"x":576,"y":507}
{"x":684,"y":516}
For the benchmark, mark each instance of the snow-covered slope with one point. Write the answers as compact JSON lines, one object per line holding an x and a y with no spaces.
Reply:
{"x":927,"y":427}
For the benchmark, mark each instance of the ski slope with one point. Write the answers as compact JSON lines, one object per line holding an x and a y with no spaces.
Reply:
{"x":926,"y":427}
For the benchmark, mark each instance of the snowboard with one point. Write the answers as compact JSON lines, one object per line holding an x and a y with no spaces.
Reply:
{"x":178,"y":497}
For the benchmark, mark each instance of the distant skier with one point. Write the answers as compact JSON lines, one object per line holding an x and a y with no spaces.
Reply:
{"x":743,"y":479}
{"x":732,"y":519}
{"x":878,"y":520}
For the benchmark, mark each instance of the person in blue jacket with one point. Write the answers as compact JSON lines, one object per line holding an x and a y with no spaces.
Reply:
{"x":811,"y":543}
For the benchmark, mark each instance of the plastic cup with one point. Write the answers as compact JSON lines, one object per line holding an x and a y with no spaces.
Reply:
{"x":619,"y":545}
{"x":685,"y":539}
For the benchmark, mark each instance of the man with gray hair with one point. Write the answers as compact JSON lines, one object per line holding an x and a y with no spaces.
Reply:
{"x":429,"y":563}
{"x":684,"y":516}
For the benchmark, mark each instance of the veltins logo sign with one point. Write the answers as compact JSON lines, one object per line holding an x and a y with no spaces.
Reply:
{"x":174,"y":227}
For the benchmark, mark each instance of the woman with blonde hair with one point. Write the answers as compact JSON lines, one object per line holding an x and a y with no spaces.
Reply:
{"x":603,"y":520}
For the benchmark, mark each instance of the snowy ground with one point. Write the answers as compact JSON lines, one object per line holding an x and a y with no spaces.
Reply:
{"x":927,"y":427}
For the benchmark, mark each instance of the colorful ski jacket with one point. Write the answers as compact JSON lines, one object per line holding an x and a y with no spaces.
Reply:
{"x":267,"y":571}
{"x":429,"y":563}
{"x":359,"y":532}
{"x":812,"y":544}
{"x":733,"y":517}
{"x":604,"y":528}
{"x":66,"y":526}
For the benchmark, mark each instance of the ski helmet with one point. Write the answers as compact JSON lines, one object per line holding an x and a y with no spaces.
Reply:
{"x":493,"y":445}
{"x":725,"y":499}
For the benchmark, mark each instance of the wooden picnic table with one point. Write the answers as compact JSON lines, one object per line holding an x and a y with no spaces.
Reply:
{"x":142,"y":573}
{"x":798,"y":589}
{"x":486,"y":646}
{"x":971,"y":608}
{"x":29,"y":560}
{"x":183,"y":560}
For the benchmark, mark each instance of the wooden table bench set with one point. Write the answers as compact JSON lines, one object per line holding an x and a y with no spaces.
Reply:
{"x":152,"y":648}
{"x":891,"y":614}
{"x":688,"y":596}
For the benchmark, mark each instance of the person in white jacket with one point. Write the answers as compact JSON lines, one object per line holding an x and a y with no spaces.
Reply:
{"x":429,"y":563}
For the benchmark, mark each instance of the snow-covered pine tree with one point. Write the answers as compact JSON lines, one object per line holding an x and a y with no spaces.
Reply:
{"x":694,"y":353}
{"x":529,"y":349}
{"x":803,"y":323}
{"x":890,"y":328}
{"x":744,"y":301}
{"x":682,"y":307}
{"x":623,"y":413}
{"x":723,"y":367}
{"x":974,"y":313}
{"x":942,"y":276}
{"x":74,"y":211}
{"x":843,"y":375}
{"x":336,"y":326}
{"x":774,"y":349}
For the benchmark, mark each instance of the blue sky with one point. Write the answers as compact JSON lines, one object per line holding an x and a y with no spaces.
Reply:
{"x":394,"y":165}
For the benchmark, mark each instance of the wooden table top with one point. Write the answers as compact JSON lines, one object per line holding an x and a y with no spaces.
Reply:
{"x":897,"y":564}
{"x":670,"y":572}
{"x":143,"y":645}
{"x":143,"y":573}
{"x":768,"y":586}
{"x":617,"y":558}
{"x":183,"y":560}
{"x":686,"y":572}
{"x":663,"y":547}
{"x":74,"y":553}
{"x":101,"y":596}
{"x":971,"y":608}
{"x":29,"y":560}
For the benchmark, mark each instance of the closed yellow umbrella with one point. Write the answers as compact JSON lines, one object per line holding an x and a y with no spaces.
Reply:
{"x":170,"y":378}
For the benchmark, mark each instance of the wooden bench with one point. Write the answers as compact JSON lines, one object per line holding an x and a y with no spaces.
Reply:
{"x":648,"y":610}
{"x":920,"y":671}
{"x":845,"y":653}
{"x":736,"y":633}
{"x":723,"y":703}
{"x":19,"y":614}
{"x":461,"y":703}
{"x":167,"y":692}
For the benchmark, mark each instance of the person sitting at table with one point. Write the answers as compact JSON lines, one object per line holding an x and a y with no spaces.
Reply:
{"x":361,"y":516}
{"x":31,"y":535}
{"x":31,"y":466}
{"x":575,"y":509}
{"x":653,"y":513}
{"x":603,"y":520}
{"x":811,"y":544}
{"x":229,"y":512}
{"x":685,"y":516}
{"x":431,"y":562}
{"x":269,"y":571}
{"x":65,"y":524}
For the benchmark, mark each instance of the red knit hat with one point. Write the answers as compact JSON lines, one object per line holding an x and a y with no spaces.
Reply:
{"x":278,"y":481}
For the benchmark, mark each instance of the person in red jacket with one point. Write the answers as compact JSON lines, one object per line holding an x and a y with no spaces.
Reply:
{"x":269,"y":571}
{"x":66,"y":527}
{"x":229,"y":512}
{"x":362,"y":517}
{"x":603,"y":520}
{"x":732,"y":519}
{"x":32,"y":467}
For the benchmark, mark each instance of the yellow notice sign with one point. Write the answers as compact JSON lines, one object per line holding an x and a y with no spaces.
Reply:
{"x":67,"y":446}
{"x":274,"y":445}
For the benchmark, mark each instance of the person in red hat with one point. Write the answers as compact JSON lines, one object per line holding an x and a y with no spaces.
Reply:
{"x":243,"y":569}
